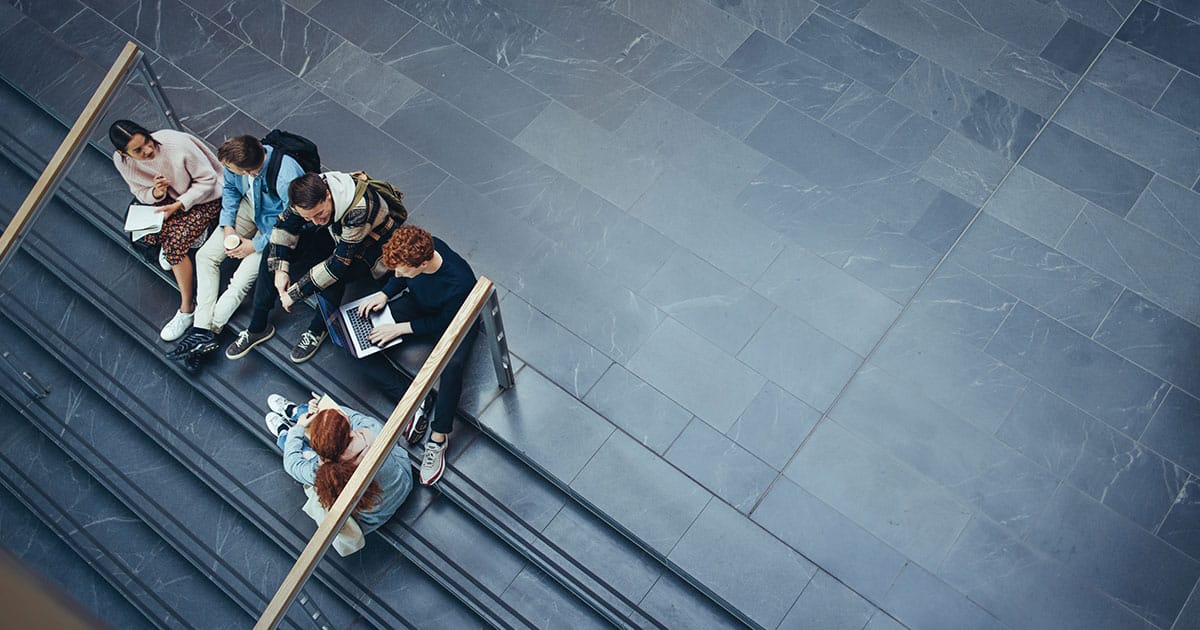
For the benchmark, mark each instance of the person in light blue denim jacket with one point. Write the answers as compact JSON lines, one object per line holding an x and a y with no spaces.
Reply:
{"x":323,"y":449}
{"x":248,"y":214}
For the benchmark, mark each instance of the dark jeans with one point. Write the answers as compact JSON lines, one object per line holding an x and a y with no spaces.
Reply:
{"x":450,"y":384}
{"x":313,"y":247}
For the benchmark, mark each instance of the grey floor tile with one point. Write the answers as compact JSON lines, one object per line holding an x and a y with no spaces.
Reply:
{"x":679,"y":605}
{"x":9,"y":17}
{"x":605,"y":314}
{"x":1035,"y":273}
{"x":932,"y":33}
{"x":1027,"y":79}
{"x":982,"y":472}
{"x":735,"y":108}
{"x":236,"y":124}
{"x":1137,"y":259}
{"x":706,"y":300}
{"x":1181,"y":101}
{"x":1078,"y":369}
{"x":547,"y":425}
{"x":640,"y":410}
{"x":719,"y":464}
{"x":985,"y":117}
{"x":199,"y":109}
{"x":827,"y":537}
{"x":1105,"y":17}
{"x":1130,"y":130}
{"x":1029,"y":25}
{"x":950,"y":371}
{"x":1152,"y":337}
{"x":361,"y":83}
{"x":92,"y":36}
{"x":721,"y":537}
{"x":1074,"y":47}
{"x":800,"y":359}
{"x":789,"y":136}
{"x":693,"y":24}
{"x":856,"y":51}
{"x":600,"y":161}
{"x":280,"y":32}
{"x":665,"y":69}
{"x":804,"y":213}
{"x":828,"y":298}
{"x":702,"y":84}
{"x":827,"y":603}
{"x":1174,"y":428}
{"x":889,"y":260}
{"x":921,"y":600}
{"x":341,"y":137}
{"x":881,"y":621}
{"x":373,"y":25}
{"x":885,"y":126}
{"x":257,"y":85}
{"x":1190,"y":615}
{"x":1126,"y":562}
{"x":684,"y":209}
{"x":1025,"y":589}
{"x":777,"y":18}
{"x":545,"y":603}
{"x":787,"y":74}
{"x":774,"y":425}
{"x":1163,"y":34}
{"x":174,"y":31}
{"x":657,"y":514}
{"x":559,"y":355}
{"x":1086,"y":168}
{"x":49,"y":15}
{"x":1179,"y":527}
{"x":1132,"y":73}
{"x":517,"y":486}
{"x":966,"y":169}
{"x":604,"y":551}
{"x":492,"y":96}
{"x":964,"y":305}
{"x":696,"y":374}
{"x":915,"y":516}
{"x":1035,"y":205}
{"x":595,"y":29}
{"x":444,"y":524}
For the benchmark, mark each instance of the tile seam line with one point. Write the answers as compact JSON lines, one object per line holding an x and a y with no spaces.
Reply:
{"x":908,"y":304}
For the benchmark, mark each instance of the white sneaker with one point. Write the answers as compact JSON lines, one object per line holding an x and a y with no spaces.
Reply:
{"x":276,"y":424}
{"x":178,"y":325}
{"x":162,"y":260}
{"x":281,"y":405}
{"x":433,"y":462}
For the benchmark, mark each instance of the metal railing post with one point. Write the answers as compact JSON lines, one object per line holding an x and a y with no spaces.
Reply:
{"x":156,"y":92}
{"x":493,"y":324}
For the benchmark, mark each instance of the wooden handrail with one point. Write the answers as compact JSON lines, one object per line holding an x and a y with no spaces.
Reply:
{"x":56,"y":168}
{"x":383,"y":444}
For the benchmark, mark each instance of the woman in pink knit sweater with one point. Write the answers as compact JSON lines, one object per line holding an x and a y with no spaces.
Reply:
{"x":182,"y":176}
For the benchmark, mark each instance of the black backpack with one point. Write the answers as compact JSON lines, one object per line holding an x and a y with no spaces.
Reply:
{"x":301,"y":149}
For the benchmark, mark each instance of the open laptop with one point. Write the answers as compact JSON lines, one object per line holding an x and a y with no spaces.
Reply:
{"x":350,"y":331}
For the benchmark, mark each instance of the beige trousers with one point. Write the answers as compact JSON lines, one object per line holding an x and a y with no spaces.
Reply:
{"x":213,"y":311}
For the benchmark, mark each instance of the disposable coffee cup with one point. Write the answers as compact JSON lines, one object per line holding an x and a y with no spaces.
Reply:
{"x":232,"y":241}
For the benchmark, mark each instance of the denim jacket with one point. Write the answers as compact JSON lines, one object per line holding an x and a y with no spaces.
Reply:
{"x":267,"y":208}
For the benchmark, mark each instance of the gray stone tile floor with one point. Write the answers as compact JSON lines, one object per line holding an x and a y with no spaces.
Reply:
{"x":866,"y":313}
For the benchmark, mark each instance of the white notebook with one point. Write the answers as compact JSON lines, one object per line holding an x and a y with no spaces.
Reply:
{"x":143,"y":220}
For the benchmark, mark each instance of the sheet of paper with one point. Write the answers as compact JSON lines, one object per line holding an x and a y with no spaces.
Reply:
{"x":326,"y":403}
{"x":143,"y":220}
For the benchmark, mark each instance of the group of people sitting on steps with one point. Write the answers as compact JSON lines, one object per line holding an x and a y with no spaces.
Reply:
{"x":296,"y":233}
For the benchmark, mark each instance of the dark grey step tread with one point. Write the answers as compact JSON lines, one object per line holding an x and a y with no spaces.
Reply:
{"x":45,"y":554}
{"x":277,"y":496}
{"x":338,"y":363}
{"x":169,"y":588}
{"x":166,"y":496}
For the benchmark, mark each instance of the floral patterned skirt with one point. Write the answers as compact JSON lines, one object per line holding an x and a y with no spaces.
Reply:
{"x":180,"y":231}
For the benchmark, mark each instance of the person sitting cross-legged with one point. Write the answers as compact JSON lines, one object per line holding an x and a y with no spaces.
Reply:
{"x":438,"y":282}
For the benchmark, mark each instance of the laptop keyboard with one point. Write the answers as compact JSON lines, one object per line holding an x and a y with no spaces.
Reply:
{"x":361,"y":328}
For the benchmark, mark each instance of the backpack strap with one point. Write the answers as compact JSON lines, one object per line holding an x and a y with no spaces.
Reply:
{"x":273,"y":165}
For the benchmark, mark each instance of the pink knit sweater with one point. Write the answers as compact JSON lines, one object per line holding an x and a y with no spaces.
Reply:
{"x":190,"y":166}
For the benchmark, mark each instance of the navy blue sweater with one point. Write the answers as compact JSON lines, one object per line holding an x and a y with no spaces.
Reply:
{"x":438,"y":295}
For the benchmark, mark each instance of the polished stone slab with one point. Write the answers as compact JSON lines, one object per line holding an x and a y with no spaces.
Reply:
{"x":1029,"y":25}
{"x":1170,"y":212}
{"x":856,"y":51}
{"x":279,"y":31}
{"x":693,"y":24}
{"x":777,"y":18}
{"x":1173,"y":429}
{"x":362,"y":84}
{"x":1086,"y":168}
{"x":827,"y":603}
{"x":1035,"y":205}
{"x":1027,"y":79}
{"x":787,"y":74}
{"x":257,"y":86}
{"x":1074,"y":47}
{"x":1181,"y":101}
{"x":637,"y":408}
{"x":932,"y":33}
{"x":785,"y":135}
{"x":173,"y":30}
{"x":560,"y":356}
{"x":1152,"y":337}
{"x":963,"y":304}
{"x":965,"y":169}
{"x":919,"y":599}
{"x":774,"y":425}
{"x":885,"y":126}
{"x":717,"y":463}
{"x":1132,"y":73}
{"x":800,"y":359}
{"x":1165,"y":35}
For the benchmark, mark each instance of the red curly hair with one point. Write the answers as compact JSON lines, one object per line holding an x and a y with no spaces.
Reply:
{"x":329,"y":435}
{"x":409,"y":246}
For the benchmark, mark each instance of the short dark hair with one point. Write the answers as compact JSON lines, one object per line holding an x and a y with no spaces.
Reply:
{"x":408,"y":246}
{"x":307,"y":191}
{"x":122,"y":131}
{"x":244,"y":152}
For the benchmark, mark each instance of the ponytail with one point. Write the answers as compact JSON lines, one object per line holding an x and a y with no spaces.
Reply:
{"x":332,"y":477}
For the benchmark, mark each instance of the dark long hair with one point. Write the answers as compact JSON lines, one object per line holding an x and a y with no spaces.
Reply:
{"x":122,"y":131}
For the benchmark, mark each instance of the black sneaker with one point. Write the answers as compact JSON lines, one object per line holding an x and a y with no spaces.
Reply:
{"x":198,"y":340}
{"x":308,"y":345}
{"x":192,"y":362}
{"x":246,"y":341}
{"x":415,"y":429}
